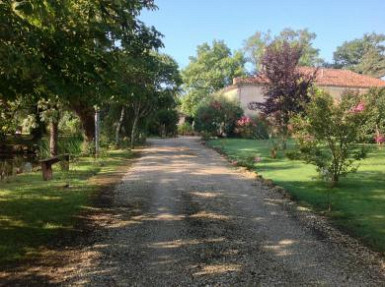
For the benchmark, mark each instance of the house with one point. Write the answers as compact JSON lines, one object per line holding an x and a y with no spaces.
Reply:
{"x":333,"y":81}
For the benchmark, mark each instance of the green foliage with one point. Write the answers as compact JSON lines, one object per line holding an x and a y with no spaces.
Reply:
{"x":288,"y":90}
{"x":190,"y":102}
{"x":218,"y":116}
{"x":7,"y":119}
{"x":71,"y":144}
{"x":165,"y":123}
{"x":327,"y":136}
{"x":372,"y":119}
{"x":50,"y":109}
{"x":365,"y":55}
{"x":255,"y":46}
{"x":212,"y":69}
{"x":64,"y":52}
{"x":146,"y":85}
{"x":252,"y":128}
{"x":185,"y":129}
{"x":375,"y":113}
{"x":69,"y":124}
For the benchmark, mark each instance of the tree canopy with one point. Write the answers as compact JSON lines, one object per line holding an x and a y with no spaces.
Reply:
{"x":365,"y":55}
{"x":70,"y":52}
{"x":255,"y":46}
{"x":288,"y":90}
{"x":212,"y":69}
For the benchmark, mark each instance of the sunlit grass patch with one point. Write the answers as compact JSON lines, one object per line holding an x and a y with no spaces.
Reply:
{"x":33,"y":211}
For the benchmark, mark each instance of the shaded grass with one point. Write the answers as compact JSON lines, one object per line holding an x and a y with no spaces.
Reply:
{"x":358,"y":203}
{"x":33,"y":211}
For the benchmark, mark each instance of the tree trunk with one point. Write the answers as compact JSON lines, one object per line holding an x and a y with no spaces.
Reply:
{"x":334,"y":180}
{"x":119,"y":126}
{"x":53,"y":137}
{"x":133,"y":131}
{"x":40,"y":129}
{"x":86,"y":115}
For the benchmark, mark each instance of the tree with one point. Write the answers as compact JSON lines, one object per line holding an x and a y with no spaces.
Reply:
{"x":256,"y":45}
{"x":8,"y":123}
{"x":145,"y":84}
{"x":50,"y":114}
{"x":327,"y":135}
{"x":288,"y":88}
{"x":254,"y":48}
{"x":365,"y":55}
{"x":212,"y":69}
{"x":63,"y":49}
{"x":303,"y":38}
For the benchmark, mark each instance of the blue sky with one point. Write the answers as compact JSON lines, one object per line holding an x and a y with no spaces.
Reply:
{"x":189,"y":23}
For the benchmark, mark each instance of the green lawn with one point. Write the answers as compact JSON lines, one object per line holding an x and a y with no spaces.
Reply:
{"x":33,"y":211}
{"x":358,"y":202}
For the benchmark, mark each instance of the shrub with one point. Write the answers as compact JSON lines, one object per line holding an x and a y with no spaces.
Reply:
{"x":206,"y":136}
{"x":374,"y":116}
{"x":371,"y":107}
{"x":251,"y":128}
{"x":293,"y":155}
{"x":185,"y":129}
{"x":327,"y":136}
{"x":218,"y":116}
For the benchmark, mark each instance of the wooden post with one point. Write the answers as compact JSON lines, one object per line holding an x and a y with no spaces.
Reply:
{"x":46,"y":167}
{"x":96,"y":132}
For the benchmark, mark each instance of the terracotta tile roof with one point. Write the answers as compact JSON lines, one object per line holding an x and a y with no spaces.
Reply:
{"x":326,"y":77}
{"x":257,"y":79}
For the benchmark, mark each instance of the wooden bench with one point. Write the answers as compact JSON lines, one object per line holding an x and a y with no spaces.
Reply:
{"x":46,"y":164}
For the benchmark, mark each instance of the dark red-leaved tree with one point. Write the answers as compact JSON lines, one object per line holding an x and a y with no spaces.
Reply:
{"x":288,"y":86}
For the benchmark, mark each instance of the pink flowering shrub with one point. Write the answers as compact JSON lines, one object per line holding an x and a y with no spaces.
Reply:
{"x":218,"y":116}
{"x":251,"y":128}
{"x":245,"y":121}
{"x":359,"y":108}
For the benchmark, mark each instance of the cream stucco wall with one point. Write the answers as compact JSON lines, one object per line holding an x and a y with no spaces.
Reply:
{"x":247,"y":93}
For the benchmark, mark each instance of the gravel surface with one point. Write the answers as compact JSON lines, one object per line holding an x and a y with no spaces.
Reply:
{"x":182,"y":216}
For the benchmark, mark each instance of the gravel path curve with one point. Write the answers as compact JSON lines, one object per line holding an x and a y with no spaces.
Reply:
{"x":183,"y":217}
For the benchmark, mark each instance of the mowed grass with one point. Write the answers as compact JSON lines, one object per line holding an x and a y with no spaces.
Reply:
{"x":33,"y":211}
{"x":358,"y":203}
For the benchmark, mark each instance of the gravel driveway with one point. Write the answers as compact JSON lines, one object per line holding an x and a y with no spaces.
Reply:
{"x":183,"y":217}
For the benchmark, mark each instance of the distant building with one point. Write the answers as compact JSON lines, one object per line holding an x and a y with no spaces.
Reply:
{"x":333,"y":81}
